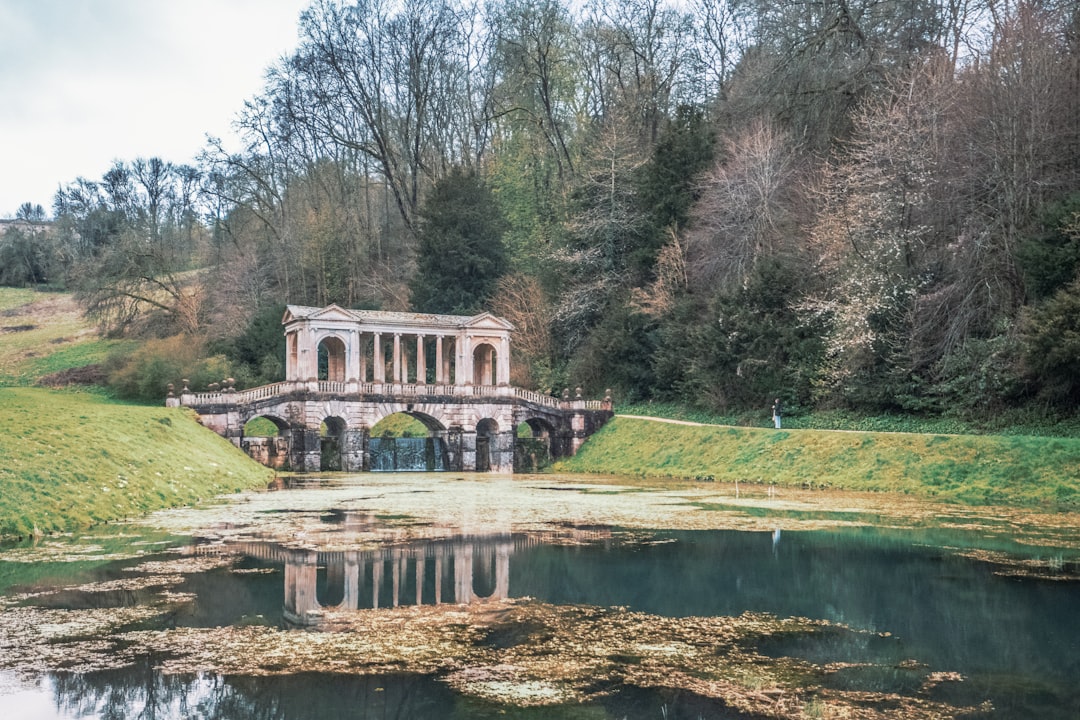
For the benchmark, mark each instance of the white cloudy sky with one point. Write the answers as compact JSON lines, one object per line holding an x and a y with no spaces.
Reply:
{"x":87,"y":82}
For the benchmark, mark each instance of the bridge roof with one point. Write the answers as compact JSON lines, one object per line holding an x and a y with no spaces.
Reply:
{"x":379,"y":317}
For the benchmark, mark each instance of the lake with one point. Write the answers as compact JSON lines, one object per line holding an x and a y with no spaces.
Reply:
{"x":550,"y":596}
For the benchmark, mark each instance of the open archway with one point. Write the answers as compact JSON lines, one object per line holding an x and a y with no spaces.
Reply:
{"x":408,"y":442}
{"x":533,"y":449}
{"x":331,"y":441}
{"x":486,"y":430}
{"x":332,"y":359}
{"x":485,"y":362}
{"x":266,"y":440}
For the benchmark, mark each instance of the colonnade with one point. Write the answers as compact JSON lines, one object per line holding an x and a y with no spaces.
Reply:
{"x":466,"y":350}
{"x":434,"y":575}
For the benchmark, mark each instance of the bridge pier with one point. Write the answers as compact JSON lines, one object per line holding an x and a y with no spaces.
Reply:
{"x":354,"y":450}
{"x":306,"y":451}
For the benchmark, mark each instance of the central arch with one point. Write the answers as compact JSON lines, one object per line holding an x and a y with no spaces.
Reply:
{"x":408,"y":441}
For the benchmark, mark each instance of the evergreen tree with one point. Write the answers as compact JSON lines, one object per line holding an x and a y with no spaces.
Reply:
{"x":461,"y":255}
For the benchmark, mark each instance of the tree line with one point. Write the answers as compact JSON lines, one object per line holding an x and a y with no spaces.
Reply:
{"x":871,"y":204}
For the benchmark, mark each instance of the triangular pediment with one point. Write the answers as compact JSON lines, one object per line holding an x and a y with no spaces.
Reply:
{"x":332,"y":313}
{"x":487,"y":321}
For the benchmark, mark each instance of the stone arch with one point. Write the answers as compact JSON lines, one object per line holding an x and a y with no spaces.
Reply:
{"x":280,"y":423}
{"x":431,"y":422}
{"x":417,"y":454}
{"x":270,"y":450}
{"x":485,"y":364}
{"x":332,"y":443}
{"x":332,"y":358}
{"x":486,"y":431}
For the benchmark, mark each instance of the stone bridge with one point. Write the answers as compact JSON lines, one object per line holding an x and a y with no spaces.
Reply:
{"x":327,"y":425}
{"x":346,"y":370}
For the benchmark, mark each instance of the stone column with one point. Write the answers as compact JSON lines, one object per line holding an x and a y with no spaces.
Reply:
{"x":502,"y":571}
{"x":421,"y":361}
{"x":351,"y":598}
{"x":463,"y":575}
{"x":362,"y":344}
{"x":420,"y":580}
{"x":378,"y":360}
{"x":352,"y":357}
{"x":503,"y":371}
{"x":440,"y":378}
{"x":465,"y":362}
{"x":438,"y":576}
{"x":395,"y":587}
{"x":292,"y":356}
{"x":301,"y":605}
{"x":396,"y":372}
{"x":376,"y":578}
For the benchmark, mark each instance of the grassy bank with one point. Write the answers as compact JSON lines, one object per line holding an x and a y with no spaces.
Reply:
{"x":964,"y":468}
{"x":1015,"y":421}
{"x":43,"y":333}
{"x":71,"y":460}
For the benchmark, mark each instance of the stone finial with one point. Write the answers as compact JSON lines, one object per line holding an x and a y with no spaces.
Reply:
{"x":577,"y":393}
{"x":185,"y":383}
{"x":170,"y":387}
{"x":607,"y":395}
{"x":213,"y":387}
{"x":566,"y":393}
{"x":230,"y":384}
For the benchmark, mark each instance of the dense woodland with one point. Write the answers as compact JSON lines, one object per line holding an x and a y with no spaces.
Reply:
{"x":865,"y":204}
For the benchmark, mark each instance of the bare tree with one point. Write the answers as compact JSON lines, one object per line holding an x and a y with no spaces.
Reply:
{"x":745,"y":212}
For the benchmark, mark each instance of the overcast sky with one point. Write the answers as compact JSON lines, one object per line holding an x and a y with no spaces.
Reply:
{"x":87,"y":82}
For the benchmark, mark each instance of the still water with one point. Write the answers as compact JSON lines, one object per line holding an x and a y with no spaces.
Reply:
{"x":901,"y":603}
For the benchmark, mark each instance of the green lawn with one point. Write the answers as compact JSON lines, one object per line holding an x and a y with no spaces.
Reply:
{"x":42,"y":333}
{"x":1015,"y":470}
{"x":74,"y":460}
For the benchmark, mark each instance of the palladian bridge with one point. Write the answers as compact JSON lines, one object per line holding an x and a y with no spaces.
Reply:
{"x":346,"y":370}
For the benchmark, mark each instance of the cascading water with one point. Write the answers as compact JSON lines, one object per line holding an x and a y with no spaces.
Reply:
{"x":407,"y":454}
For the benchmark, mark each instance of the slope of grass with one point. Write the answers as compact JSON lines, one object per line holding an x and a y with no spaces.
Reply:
{"x":964,"y":468}
{"x":1032,"y":420}
{"x":74,"y":460}
{"x":43,"y":333}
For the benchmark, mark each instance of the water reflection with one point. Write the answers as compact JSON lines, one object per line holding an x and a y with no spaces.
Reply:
{"x":1015,"y":640}
{"x":139,"y":691}
{"x":459,"y":570}
{"x":919,"y":603}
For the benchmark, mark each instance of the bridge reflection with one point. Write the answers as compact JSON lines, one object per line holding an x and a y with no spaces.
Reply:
{"x":460,"y":570}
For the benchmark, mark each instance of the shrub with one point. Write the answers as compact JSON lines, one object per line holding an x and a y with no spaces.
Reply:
{"x":145,"y":373}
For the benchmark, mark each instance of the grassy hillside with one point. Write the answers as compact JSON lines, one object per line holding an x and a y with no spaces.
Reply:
{"x":964,"y":468}
{"x":43,"y":333}
{"x":74,"y":459}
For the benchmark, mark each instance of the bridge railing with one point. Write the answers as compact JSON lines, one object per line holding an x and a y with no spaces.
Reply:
{"x":241,"y":397}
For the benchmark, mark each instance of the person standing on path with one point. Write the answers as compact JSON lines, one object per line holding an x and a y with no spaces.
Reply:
{"x":777,"y":410}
